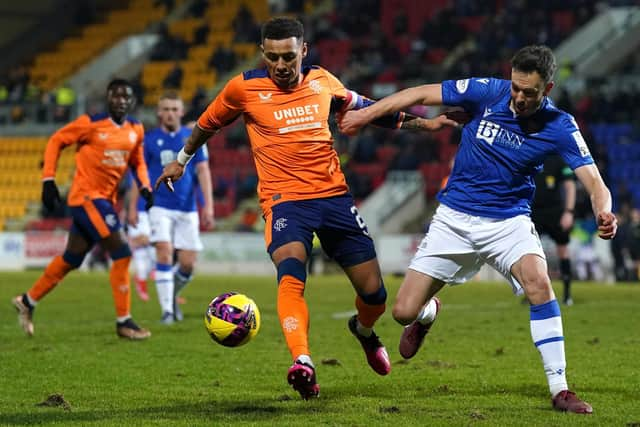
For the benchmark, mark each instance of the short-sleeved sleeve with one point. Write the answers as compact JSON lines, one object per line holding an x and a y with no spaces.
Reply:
{"x":470,"y":94}
{"x":572,"y":146}
{"x":336,"y":87}
{"x":226,"y":107}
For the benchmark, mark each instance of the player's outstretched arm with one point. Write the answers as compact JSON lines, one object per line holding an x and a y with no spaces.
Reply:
{"x":204,"y":179}
{"x":600,"y":200}
{"x":174,"y":170}
{"x":351,"y":121}
{"x":448,"y":119}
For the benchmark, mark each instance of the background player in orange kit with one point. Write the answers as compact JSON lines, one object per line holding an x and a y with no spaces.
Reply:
{"x":108,"y":144}
{"x":301,"y":187}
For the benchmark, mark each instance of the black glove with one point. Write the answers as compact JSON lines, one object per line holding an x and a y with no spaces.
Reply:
{"x":147,"y":195}
{"x":50,"y":195}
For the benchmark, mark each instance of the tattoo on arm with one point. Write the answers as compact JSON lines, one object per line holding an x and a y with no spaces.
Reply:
{"x":197,"y":139}
{"x":412,"y":122}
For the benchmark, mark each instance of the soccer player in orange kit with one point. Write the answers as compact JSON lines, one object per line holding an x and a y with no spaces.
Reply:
{"x":108,"y":144}
{"x":301,"y":187}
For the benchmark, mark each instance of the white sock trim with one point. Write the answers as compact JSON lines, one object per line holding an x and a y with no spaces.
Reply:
{"x":428,"y":313}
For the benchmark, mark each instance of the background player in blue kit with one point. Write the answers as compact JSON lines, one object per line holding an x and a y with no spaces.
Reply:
{"x":174,"y":220}
{"x":484,"y":213}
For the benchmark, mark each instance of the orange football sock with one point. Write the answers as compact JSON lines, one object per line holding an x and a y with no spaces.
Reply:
{"x":53,"y":274}
{"x":119,"y":278}
{"x":294,"y":315}
{"x":368,"y":314}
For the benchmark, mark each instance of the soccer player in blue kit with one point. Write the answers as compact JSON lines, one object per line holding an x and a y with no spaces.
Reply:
{"x":174,"y":220}
{"x":484,"y":212}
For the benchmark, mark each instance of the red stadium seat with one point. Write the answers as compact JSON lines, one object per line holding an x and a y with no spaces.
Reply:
{"x":563,"y":21}
{"x":334,"y":54}
{"x":386,"y":153}
{"x":472,"y":24}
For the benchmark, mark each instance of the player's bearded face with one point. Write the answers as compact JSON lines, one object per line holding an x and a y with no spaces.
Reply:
{"x":527,"y":92}
{"x":120,"y":100}
{"x":283,"y":59}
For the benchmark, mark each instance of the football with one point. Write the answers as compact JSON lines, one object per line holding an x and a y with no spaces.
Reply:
{"x":232,"y":319}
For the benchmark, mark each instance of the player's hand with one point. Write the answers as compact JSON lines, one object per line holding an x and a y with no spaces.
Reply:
{"x":132,"y":217}
{"x":50,"y":195}
{"x":566,"y":221}
{"x":207,"y":219}
{"x":172,"y":172}
{"x":351,"y":121}
{"x":459,"y":116}
{"x":607,"y":225}
{"x":147,"y":195}
{"x":448,"y":119}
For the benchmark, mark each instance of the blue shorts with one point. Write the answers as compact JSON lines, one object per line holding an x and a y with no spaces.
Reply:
{"x":95,"y":220}
{"x":335,"y":220}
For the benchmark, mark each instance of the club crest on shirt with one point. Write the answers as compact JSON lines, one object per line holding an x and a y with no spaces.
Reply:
{"x":133,"y":137}
{"x":264,"y":97}
{"x":160,"y":142}
{"x":111,"y":220}
{"x":462,"y":85}
{"x":280,"y":224}
{"x":315,"y":86}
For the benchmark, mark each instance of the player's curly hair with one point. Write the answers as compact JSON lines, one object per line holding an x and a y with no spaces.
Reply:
{"x":538,"y":58}
{"x":282,"y":28}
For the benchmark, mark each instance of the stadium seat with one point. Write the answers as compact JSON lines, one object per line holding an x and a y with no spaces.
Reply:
{"x":50,"y":69}
{"x":334,"y":54}
{"x":472,"y":24}
{"x":563,"y":21}
{"x":386,"y":153}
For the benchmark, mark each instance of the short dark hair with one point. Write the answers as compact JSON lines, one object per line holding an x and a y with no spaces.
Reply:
{"x":538,"y":58}
{"x":280,"y":28}
{"x":171,"y":94}
{"x":118,"y":82}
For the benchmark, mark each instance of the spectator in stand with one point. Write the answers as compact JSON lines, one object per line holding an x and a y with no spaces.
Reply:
{"x":223,"y":59}
{"x":168,"y":47}
{"x":173,"y":80}
{"x":65,"y":99}
{"x":198,"y":8}
{"x":198,"y":104}
{"x":201,"y":33}
{"x":245,"y":28}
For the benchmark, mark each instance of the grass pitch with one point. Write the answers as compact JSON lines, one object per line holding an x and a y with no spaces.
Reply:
{"x":478,"y":365}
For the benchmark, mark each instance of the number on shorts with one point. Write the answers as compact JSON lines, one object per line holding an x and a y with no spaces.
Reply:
{"x":360,"y":220}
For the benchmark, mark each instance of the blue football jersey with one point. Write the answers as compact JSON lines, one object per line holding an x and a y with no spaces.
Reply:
{"x":161,"y":148}
{"x":500,"y":153}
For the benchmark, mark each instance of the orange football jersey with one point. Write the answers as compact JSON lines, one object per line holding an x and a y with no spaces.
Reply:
{"x":104,"y":151}
{"x":289,"y":132}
